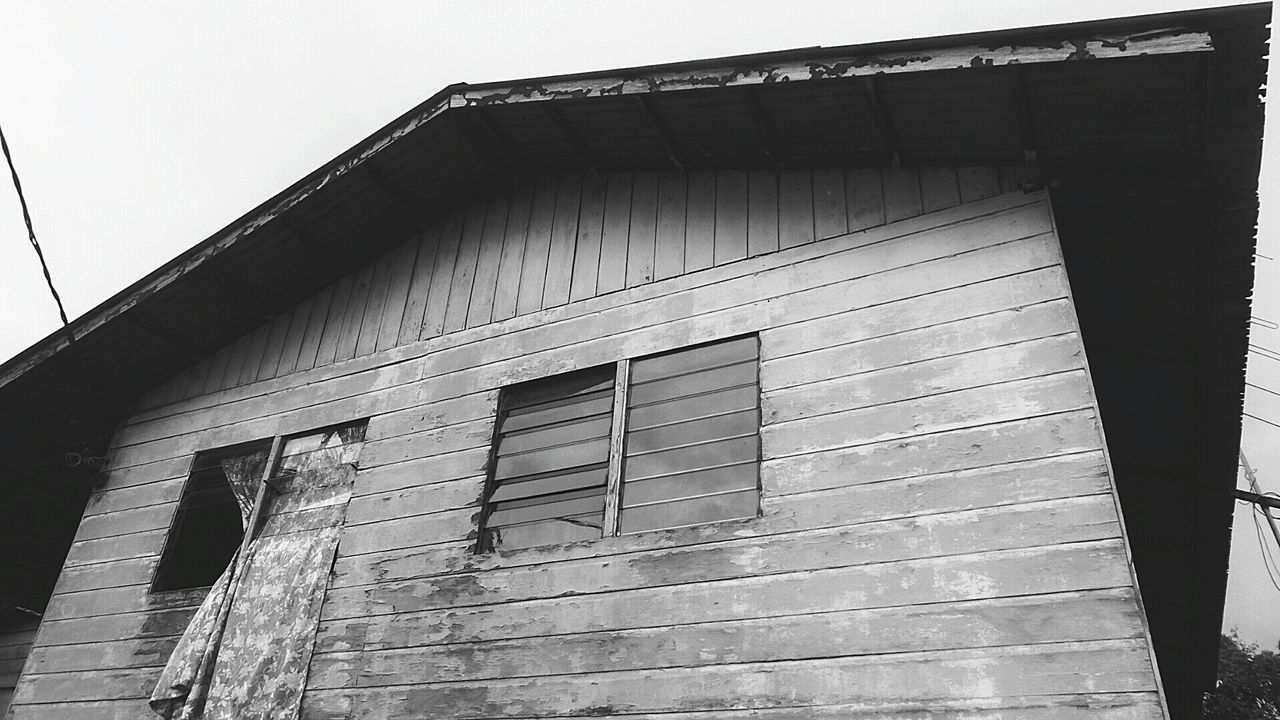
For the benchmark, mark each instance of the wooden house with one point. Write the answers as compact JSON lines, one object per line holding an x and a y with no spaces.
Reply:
{"x":766,"y":387}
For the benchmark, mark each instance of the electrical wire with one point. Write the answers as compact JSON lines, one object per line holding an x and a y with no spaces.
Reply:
{"x":1267,"y":559}
{"x":31,"y":234}
{"x":1262,"y":420}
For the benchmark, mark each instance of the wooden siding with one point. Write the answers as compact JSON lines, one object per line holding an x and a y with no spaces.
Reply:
{"x":939,"y":533}
{"x":555,"y":239}
{"x":15,"y":645}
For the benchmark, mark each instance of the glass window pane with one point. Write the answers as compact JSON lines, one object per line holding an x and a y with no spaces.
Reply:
{"x":551,"y":460}
{"x":742,"y":398}
{"x":694,"y":431}
{"x":702,"y":482}
{"x":686,"y":361}
{"x":730,"y":506}
{"x":695,"y":457}
{"x":544,"y":485}
{"x":693,"y":437}
{"x":694,"y":383}
{"x":562,"y":434}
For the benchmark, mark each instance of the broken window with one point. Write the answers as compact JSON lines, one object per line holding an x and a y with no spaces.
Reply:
{"x":246,"y":650}
{"x":660,"y":442}
{"x":209,"y":523}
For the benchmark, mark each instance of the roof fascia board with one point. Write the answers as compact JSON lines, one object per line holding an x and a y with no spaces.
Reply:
{"x":759,"y":70}
{"x":789,"y":66}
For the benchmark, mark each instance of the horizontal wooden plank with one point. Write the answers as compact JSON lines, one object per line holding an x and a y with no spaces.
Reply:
{"x":147,"y":517}
{"x":107,"y":655}
{"x":416,"y":500}
{"x":134,"y":545}
{"x":972,"y":300}
{"x":1002,"y":573}
{"x":1076,"y":706}
{"x":957,"y":451}
{"x":1069,"y":520}
{"x":933,"y":342}
{"x":1099,"y":666}
{"x":917,"y":380}
{"x":971,"y":407}
{"x":116,"y":573}
{"x":90,"y":685}
{"x":143,"y":624}
{"x":423,"y":471}
{"x":1096,"y":615}
{"x":1054,"y":434}
{"x":447,"y":439}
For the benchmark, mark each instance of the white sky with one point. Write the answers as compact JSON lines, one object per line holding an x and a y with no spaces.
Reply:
{"x":140,"y":128}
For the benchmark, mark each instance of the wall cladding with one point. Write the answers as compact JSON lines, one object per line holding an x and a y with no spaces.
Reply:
{"x":938,"y":534}
{"x":565,"y":238}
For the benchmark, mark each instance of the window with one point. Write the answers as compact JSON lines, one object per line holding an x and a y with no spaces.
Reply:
{"x":220,"y":494}
{"x":207,"y":527}
{"x":660,"y":442}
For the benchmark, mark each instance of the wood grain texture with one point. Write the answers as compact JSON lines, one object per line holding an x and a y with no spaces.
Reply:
{"x":936,"y":535}
{"x":547,"y":240}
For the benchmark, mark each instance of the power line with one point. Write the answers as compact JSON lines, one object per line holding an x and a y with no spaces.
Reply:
{"x":1262,"y":420}
{"x":31,"y":234}
{"x":1259,"y":387}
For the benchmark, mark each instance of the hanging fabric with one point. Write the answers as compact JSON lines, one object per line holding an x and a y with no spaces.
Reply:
{"x":247,"y":649}
{"x":180,"y":692}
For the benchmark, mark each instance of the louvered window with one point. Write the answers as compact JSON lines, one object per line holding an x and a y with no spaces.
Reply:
{"x":654,"y":443}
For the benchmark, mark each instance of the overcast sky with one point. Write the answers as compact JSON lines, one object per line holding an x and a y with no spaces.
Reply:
{"x":139,"y":129}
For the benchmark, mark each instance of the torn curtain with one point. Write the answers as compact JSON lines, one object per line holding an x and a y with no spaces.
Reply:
{"x":246,"y":651}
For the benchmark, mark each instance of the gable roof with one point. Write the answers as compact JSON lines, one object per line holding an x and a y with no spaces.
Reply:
{"x":1116,"y":103}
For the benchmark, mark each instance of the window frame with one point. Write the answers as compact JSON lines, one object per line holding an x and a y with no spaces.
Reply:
{"x":611,"y":522}
{"x":275,"y":449}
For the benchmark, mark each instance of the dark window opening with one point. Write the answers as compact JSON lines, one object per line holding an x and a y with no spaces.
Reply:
{"x":208,"y":526}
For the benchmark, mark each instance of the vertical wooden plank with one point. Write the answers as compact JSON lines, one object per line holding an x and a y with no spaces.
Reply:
{"x":700,"y":223}
{"x":275,"y":346}
{"x":977,"y":183}
{"x":938,"y":189}
{"x":1011,"y":178}
{"x":511,"y":263}
{"x":586,"y":259}
{"x":564,"y":237}
{"x":235,"y":363}
{"x":864,"y":193}
{"x":731,"y":216}
{"x":762,"y":212}
{"x":668,"y":254}
{"x":830,"y":218}
{"x":484,"y":284}
{"x":315,"y":330}
{"x":253,"y":356}
{"x":293,"y":342}
{"x":371,"y":320}
{"x":354,"y":316}
{"x":617,"y":439}
{"x":537,"y":245}
{"x":403,"y":265}
{"x":193,"y":385}
{"x":328,"y":349}
{"x":613,"y":238}
{"x":901,"y":194}
{"x":217,"y":370}
{"x":420,"y":285}
{"x":442,"y":275}
{"x":464,"y":270}
{"x":642,"y":234}
{"x":795,"y":208}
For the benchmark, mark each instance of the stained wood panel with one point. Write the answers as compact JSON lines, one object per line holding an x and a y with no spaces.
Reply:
{"x":935,"y":500}
{"x":559,"y":238}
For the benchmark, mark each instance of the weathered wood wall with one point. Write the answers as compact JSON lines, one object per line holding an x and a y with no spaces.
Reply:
{"x":567,"y":238}
{"x":939,"y":532}
{"x":15,"y":645}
